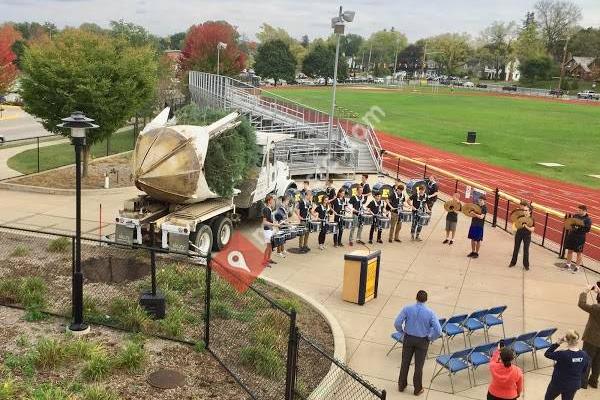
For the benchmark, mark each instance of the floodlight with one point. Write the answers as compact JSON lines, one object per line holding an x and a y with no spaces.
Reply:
{"x":335,"y":21}
{"x":348,"y":16}
{"x":222,"y":45}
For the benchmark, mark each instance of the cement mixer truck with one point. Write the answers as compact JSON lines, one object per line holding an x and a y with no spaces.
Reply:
{"x":178,"y":209}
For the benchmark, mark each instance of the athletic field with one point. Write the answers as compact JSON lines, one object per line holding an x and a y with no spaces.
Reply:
{"x":514,"y":132}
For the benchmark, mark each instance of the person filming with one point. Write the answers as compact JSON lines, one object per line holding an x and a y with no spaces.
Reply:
{"x":571,"y":364}
{"x":507,"y":379}
{"x":591,"y":335}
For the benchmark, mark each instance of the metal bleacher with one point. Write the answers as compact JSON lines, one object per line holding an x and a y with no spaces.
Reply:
{"x":306,"y":150}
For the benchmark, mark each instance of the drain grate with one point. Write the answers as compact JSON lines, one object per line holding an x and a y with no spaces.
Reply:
{"x":166,"y":379}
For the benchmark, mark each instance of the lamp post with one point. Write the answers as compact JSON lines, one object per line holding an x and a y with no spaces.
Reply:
{"x":220,"y":46}
{"x":78,"y":123}
{"x":338,"y":24}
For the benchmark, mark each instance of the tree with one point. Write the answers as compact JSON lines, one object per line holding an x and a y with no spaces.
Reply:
{"x":410,"y":59}
{"x":586,"y":43}
{"x":451,"y":51}
{"x":176,"y":40}
{"x":557,"y":20}
{"x":498,"y":42}
{"x":536,"y":69}
{"x":305,"y":42}
{"x":275,"y":60}
{"x":268,"y":32}
{"x":94,"y":28}
{"x":529,"y":43}
{"x":136,"y":35}
{"x":8,"y":69}
{"x":200,"y":49}
{"x":383,"y":45}
{"x":320,"y":60}
{"x":106,"y":78}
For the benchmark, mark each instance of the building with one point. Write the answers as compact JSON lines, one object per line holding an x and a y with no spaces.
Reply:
{"x":586,"y":68}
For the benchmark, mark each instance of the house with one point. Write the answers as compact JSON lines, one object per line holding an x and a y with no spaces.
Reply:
{"x":583,"y":67}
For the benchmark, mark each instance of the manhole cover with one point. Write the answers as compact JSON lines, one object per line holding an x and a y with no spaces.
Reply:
{"x":166,"y":379}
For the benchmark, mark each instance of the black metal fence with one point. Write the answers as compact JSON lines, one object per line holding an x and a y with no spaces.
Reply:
{"x":255,"y":334}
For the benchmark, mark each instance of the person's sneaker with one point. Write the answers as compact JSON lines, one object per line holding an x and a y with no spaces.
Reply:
{"x":445,"y":241}
{"x":360,"y":241}
{"x":566,"y":267}
{"x":398,"y":240}
{"x":412,"y":238}
{"x":321,"y":247}
{"x":282,"y":255}
{"x":475,"y":255}
{"x":419,"y":392}
{"x":285,"y":253}
{"x":418,"y":239}
{"x":526,"y":267}
{"x":451,"y":242}
{"x":370,"y":242}
{"x":340,"y":245}
{"x":574,"y":269}
{"x":272,"y":262}
{"x":511,"y":265}
{"x":335,"y":245}
{"x":470,"y":255}
{"x":593,"y":384}
{"x":390,"y":240}
{"x":379,"y":241}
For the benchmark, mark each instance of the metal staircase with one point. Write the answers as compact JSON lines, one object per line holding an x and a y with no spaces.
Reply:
{"x":306,"y":150}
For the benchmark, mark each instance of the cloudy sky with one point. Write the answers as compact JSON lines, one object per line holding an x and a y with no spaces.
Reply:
{"x":415,"y":18}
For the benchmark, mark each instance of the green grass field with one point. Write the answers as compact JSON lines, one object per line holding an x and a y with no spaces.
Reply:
{"x":58,"y":155}
{"x":514,"y":132}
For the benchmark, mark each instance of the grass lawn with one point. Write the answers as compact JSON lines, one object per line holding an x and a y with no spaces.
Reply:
{"x":58,"y":155}
{"x":514,"y":132}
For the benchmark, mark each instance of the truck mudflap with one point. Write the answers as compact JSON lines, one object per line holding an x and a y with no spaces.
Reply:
{"x":175,"y":237}
{"x":128,"y":231}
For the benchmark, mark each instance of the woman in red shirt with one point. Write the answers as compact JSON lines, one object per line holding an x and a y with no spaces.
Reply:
{"x":507,"y":379}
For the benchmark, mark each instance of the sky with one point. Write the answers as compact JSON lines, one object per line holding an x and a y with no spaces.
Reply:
{"x":417,"y":19}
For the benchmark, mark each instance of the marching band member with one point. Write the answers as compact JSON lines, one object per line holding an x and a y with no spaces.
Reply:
{"x":303,"y":211}
{"x":395,"y":204}
{"x":330,"y":190}
{"x":451,"y":221}
{"x":320,"y":212}
{"x":376,"y":206}
{"x":476,"y":229}
{"x":305,"y":188}
{"x":418,"y":204}
{"x":432,"y":191}
{"x":281,"y":217}
{"x":522,"y":234}
{"x":338,"y":205}
{"x":268,"y":223}
{"x":356,"y":205}
{"x":575,"y":239}
{"x":366,"y":189}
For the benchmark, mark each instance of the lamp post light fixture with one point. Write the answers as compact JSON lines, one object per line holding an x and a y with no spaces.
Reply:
{"x":78,"y":123}
{"x":220,"y":46}
{"x":338,"y":24}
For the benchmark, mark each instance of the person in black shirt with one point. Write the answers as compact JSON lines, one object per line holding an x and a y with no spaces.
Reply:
{"x":366,"y":189}
{"x":395,"y":205}
{"x":476,"y":229}
{"x":451,"y":221}
{"x":268,"y":224}
{"x":303,"y":212}
{"x":571,"y":364}
{"x":357,"y":205}
{"x":281,"y":217}
{"x":376,"y":206}
{"x":418,"y":204}
{"x":522,"y":234}
{"x":305,"y":188}
{"x":339,"y":207}
{"x":320,"y":212}
{"x":575,"y":239}
{"x":432,"y":191}
{"x":330,"y":190}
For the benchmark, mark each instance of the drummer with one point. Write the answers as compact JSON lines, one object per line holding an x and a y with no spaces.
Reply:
{"x":330,"y":191}
{"x":320,"y":213}
{"x":377,"y":207}
{"x":395,"y":203}
{"x":418,"y":204}
{"x":357,"y":208}
{"x":305,"y":188}
{"x":281,"y":216}
{"x":338,"y":205}
{"x":268,"y":223}
{"x":303,"y":211}
{"x":364,"y":184}
{"x":432,"y":191}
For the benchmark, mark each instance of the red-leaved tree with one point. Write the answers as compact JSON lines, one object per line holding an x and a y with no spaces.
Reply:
{"x":8,"y":70}
{"x":200,"y":49}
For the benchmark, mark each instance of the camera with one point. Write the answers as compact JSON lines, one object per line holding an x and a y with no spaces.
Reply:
{"x":501,"y":343}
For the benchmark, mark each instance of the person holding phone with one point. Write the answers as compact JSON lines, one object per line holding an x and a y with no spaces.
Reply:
{"x":591,"y":335}
{"x":571,"y":364}
{"x":507,"y":379}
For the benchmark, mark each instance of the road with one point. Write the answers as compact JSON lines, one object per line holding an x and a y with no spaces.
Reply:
{"x":17,"y":124}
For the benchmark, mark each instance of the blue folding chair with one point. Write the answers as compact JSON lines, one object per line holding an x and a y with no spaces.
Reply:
{"x":453,"y":363}
{"x":398,"y":338}
{"x":442,"y":322}
{"x":494,"y":318}
{"x":523,"y":344}
{"x":453,"y":327}
{"x":481,"y":355}
{"x":474,"y":323}
{"x":542,"y":341}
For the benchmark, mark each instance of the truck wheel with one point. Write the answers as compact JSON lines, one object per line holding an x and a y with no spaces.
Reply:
{"x":203,"y":240}
{"x":222,"y":229}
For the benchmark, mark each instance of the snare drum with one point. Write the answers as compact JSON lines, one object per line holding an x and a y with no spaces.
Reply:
{"x":384,"y":223}
{"x":332,"y":227}
{"x":278,"y":239}
{"x":315,"y":226}
{"x":406,"y":216}
{"x":424,"y":219}
{"x":348,"y":222}
{"x":301,"y":230}
{"x":366,"y":219}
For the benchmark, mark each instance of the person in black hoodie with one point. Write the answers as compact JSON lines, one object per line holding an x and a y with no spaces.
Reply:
{"x":575,"y":239}
{"x":571,"y":364}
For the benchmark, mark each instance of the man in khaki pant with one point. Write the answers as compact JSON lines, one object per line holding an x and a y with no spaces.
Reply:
{"x":395,"y":204}
{"x":591,"y":335}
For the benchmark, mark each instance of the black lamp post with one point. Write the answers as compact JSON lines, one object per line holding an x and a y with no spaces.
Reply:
{"x":78,"y":123}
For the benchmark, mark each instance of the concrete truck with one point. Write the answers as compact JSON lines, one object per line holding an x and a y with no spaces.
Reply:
{"x":178,"y":209}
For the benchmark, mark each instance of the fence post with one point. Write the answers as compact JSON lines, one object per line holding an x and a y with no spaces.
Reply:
{"x":207,"y":301}
{"x":292,"y":358}
{"x":456,"y":187}
{"x":507,"y":211}
{"x":425,"y":172}
{"x":38,"y":154}
{"x":496,"y":200}
{"x":107,"y":146}
{"x":545,"y":227}
{"x":398,"y":170}
{"x":561,"y":252}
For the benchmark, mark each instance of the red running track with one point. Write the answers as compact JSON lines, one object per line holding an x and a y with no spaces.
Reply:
{"x":551,"y":193}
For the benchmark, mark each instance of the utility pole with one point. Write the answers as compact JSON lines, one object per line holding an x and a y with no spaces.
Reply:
{"x":369,"y":62}
{"x":424,"y":59}
{"x":564,"y":61}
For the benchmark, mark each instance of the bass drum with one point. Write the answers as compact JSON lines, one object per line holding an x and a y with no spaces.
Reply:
{"x":318,"y":195}
{"x":295,"y":195}
{"x":383,"y":189}
{"x":413,"y":184}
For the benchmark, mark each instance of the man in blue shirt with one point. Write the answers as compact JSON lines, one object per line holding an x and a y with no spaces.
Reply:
{"x":420,"y":326}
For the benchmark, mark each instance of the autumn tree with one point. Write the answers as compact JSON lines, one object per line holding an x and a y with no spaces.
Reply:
{"x":275,"y":60}
{"x":451,"y":51}
{"x":105,"y":77}
{"x":8,"y":69}
{"x":200,"y":49}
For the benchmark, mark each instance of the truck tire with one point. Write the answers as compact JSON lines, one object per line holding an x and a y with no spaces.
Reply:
{"x":222,"y":230}
{"x":203,"y":240}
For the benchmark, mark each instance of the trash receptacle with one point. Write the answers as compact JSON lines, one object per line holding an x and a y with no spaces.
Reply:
{"x":471,"y":137}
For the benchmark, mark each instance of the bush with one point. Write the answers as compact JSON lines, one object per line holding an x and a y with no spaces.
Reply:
{"x":49,"y":353}
{"x":96,"y":392}
{"x":59,"y":245}
{"x":131,"y":357}
{"x":8,"y":389}
{"x":48,"y":391}
{"x":10,"y":290}
{"x":265,"y":361}
{"x":97,"y":367}
{"x":20,"y":251}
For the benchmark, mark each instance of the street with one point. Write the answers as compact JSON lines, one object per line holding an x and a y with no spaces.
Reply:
{"x":17,"y":124}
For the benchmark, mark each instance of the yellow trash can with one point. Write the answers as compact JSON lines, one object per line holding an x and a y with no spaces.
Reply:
{"x":361,"y":276}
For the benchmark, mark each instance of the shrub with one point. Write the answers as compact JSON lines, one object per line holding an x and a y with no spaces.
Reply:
{"x":84,"y":349}
{"x":265,"y":361}
{"x":131,"y":357}
{"x":32,"y":294}
{"x":59,"y":245}
{"x":49,"y":353}
{"x":221,"y":309}
{"x":96,"y":392}
{"x":266,"y":337}
{"x":129,"y":314}
{"x":289,"y":304}
{"x":273,"y":319}
{"x":97,"y":367}
{"x":8,"y":390}
{"x":200,"y":346}
{"x":20,"y":251}
{"x":48,"y":391}
{"x":10,"y":290}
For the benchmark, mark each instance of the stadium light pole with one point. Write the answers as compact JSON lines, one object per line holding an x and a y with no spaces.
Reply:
{"x":78,"y":123}
{"x":338,"y":24}
{"x":220,"y":46}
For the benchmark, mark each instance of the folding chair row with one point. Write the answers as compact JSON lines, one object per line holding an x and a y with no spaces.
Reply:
{"x":467,"y":324}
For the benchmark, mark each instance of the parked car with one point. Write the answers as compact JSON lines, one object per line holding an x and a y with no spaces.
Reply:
{"x":589,"y":95}
{"x":512,"y":88}
{"x":469,"y":84}
{"x":482,"y":85}
{"x":557,"y":92}
{"x":2,"y":99}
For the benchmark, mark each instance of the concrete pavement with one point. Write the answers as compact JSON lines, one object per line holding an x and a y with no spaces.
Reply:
{"x":17,"y":124}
